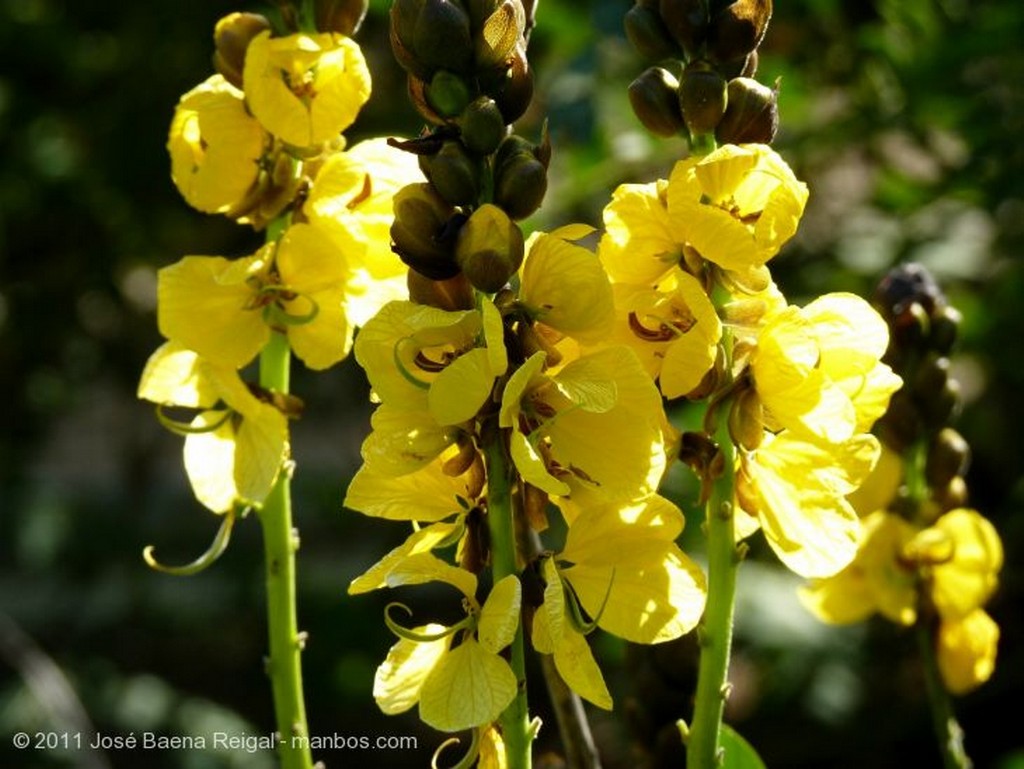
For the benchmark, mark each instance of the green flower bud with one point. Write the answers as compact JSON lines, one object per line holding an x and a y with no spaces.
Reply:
{"x":520,"y":177}
{"x":687,"y":22}
{"x":948,"y":455}
{"x":483,"y":126}
{"x":452,"y":294}
{"x":703,"y":96}
{"x":421,"y":218}
{"x":751,"y":114}
{"x":738,"y":29}
{"x":343,"y":16}
{"x":231,"y":37}
{"x":489,"y":248}
{"x":654,"y":97}
{"x":648,"y":34}
{"x":454,"y":173}
{"x":499,"y":34}
{"x":448,"y":95}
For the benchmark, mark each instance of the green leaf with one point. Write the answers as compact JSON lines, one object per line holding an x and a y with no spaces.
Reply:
{"x":739,"y":754}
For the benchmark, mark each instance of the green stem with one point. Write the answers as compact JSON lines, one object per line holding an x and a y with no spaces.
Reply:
{"x":947,"y":728}
{"x":280,"y":543}
{"x":515,"y":720}
{"x":715,"y":630}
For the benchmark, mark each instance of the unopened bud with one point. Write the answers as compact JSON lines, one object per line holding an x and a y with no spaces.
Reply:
{"x":442,"y":38}
{"x":952,"y":495}
{"x":452,"y":294}
{"x":231,"y":37}
{"x":944,"y":328}
{"x":448,"y":95}
{"x":948,"y":454}
{"x":421,"y":217}
{"x":520,"y":183}
{"x":499,"y":33}
{"x":746,"y":421}
{"x":687,"y":22}
{"x":649,"y":35}
{"x":703,"y":96}
{"x":738,"y":29}
{"x":489,"y":248}
{"x":454,"y":173}
{"x":343,"y":16}
{"x":654,"y":97}
{"x":483,"y":126}
{"x":514,"y":89}
{"x":751,"y":115}
{"x":535,"y":506}
{"x":931,"y":377}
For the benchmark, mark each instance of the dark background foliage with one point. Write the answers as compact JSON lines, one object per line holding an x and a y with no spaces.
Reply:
{"x":905,"y":117}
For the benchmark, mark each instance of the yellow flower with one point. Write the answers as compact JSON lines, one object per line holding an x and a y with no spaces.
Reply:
{"x":408,"y":349}
{"x":305,"y":89}
{"x":215,"y":147}
{"x":966,"y":651}
{"x":674,"y":330}
{"x":818,"y":370}
{"x":456,"y":688}
{"x":351,"y":199}
{"x":593,"y":430}
{"x":639,"y":245}
{"x":797,"y":491}
{"x":237,"y":443}
{"x":224,"y":309}
{"x":736,"y":206}
{"x":564,"y":285}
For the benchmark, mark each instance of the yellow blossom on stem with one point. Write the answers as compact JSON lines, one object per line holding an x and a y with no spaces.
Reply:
{"x":966,"y":651}
{"x":215,"y":147}
{"x":639,"y":246}
{"x":305,"y":89}
{"x":236,"y":444}
{"x":226,"y":309}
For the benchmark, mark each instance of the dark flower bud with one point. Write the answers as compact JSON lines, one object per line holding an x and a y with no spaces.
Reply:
{"x":904,"y":285}
{"x":489,"y":248}
{"x":654,"y":97}
{"x":687,"y":22}
{"x":945,"y":324}
{"x":483,"y":126}
{"x":421,"y":217}
{"x":952,"y":495}
{"x":944,"y":406}
{"x":751,"y":115}
{"x":442,"y":39}
{"x":403,"y":17}
{"x":499,"y":34}
{"x":452,"y":294}
{"x":520,"y":177}
{"x":648,"y":34}
{"x":900,"y":426}
{"x":703,"y":96}
{"x":447,"y":94}
{"x":231,"y":37}
{"x":454,"y":173}
{"x":512,"y":85}
{"x":738,"y":29}
{"x":948,"y":455}
{"x":481,"y":10}
{"x":344,"y":16}
{"x":931,"y":377}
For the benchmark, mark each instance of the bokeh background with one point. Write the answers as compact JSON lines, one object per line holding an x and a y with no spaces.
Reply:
{"x":906,"y":117}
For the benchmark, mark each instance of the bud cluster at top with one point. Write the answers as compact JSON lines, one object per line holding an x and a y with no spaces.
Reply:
{"x":704,"y":56}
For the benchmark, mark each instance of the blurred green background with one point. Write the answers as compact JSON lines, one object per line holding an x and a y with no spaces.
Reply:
{"x":906,"y":117}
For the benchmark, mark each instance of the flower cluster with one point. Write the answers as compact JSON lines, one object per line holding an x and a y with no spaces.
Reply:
{"x":260,"y":142}
{"x":924,"y":557}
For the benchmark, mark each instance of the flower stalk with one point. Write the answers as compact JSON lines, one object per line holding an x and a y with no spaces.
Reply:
{"x":515,"y":720}
{"x":715,"y":630}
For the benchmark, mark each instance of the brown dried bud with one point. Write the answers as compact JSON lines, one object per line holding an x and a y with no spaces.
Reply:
{"x":344,"y":16}
{"x":702,"y":97}
{"x":454,"y":173}
{"x":751,"y":115}
{"x":421,"y":218}
{"x":489,"y":248}
{"x":649,"y":35}
{"x":738,"y":29}
{"x":231,"y":37}
{"x":654,"y":97}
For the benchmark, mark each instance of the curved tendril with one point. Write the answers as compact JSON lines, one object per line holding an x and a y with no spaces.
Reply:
{"x":181,"y":428}
{"x":406,"y":374}
{"x":213,"y":552}
{"x":412,"y":635}
{"x":274,"y":314}
{"x":577,"y":612}
{"x":467,"y":760}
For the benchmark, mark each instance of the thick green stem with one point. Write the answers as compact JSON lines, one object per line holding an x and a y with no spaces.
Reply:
{"x":515,"y":720}
{"x":280,"y":543}
{"x":715,"y":630}
{"x":947,"y":728}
